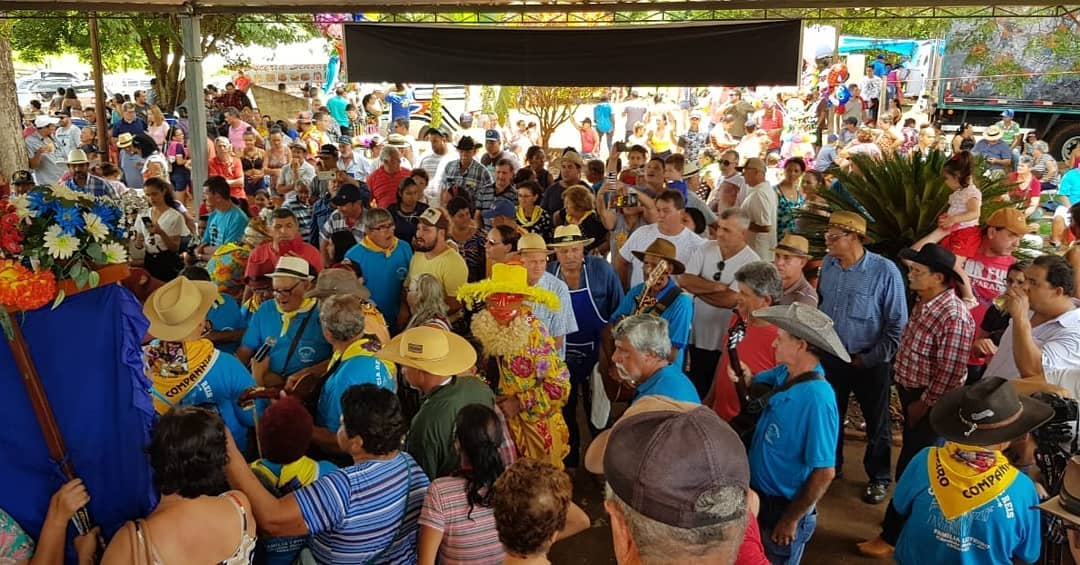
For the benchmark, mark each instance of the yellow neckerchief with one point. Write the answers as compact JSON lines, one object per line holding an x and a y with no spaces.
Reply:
{"x":287,"y":317}
{"x":960,"y":488}
{"x":252,"y":304}
{"x":172,"y":381}
{"x":362,"y":346}
{"x":578,"y":221}
{"x":304,"y":471}
{"x":527,"y":222}
{"x":370,"y":245}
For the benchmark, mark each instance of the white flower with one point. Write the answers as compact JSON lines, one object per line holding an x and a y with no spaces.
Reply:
{"x":114,"y":253}
{"x":59,"y":244}
{"x":62,"y":191}
{"x":22,"y":206}
{"x":94,"y":226}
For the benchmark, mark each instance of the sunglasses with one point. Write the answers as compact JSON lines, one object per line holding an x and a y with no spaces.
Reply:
{"x":725,"y":162}
{"x":719,"y":271}
{"x":833,"y":236}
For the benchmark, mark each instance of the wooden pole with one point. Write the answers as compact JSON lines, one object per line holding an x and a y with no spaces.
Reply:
{"x":54,"y":440}
{"x":99,"y":89}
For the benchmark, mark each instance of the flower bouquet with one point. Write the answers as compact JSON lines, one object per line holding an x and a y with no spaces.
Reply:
{"x":51,"y":235}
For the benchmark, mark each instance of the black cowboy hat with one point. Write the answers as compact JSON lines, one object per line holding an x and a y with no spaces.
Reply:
{"x":934,"y":257}
{"x":988,"y":412}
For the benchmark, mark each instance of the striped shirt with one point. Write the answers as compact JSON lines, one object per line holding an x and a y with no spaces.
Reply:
{"x":366,"y":512}
{"x":469,"y":534}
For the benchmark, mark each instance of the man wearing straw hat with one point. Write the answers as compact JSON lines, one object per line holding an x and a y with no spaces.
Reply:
{"x":793,"y":447}
{"x":862,"y":292}
{"x":559,"y":319}
{"x":790,"y":257}
{"x":522,"y":360}
{"x":183,"y":366}
{"x":965,"y":502}
{"x":433,"y":361}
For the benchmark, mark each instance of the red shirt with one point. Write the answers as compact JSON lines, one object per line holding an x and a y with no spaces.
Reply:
{"x":987,"y":275}
{"x":756,"y":350}
{"x":384,"y":186}
{"x":588,"y":140}
{"x":264,"y":258}
{"x":751,"y":552}
{"x":233,"y":170}
{"x":1033,"y":189}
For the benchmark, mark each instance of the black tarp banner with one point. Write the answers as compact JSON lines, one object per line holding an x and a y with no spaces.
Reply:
{"x":735,"y":54}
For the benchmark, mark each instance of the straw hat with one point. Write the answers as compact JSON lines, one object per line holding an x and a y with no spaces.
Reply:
{"x":665,"y":250}
{"x":566,"y":236}
{"x":992,"y":133}
{"x":532,"y":242}
{"x":1066,"y":505}
{"x":292,"y":267}
{"x":794,"y":245}
{"x":124,"y":140}
{"x":178,"y":307}
{"x":806,"y":323}
{"x":848,"y":221}
{"x":506,"y":279}
{"x":431,"y":350}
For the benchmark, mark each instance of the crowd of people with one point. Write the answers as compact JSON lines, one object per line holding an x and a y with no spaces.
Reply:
{"x":383,"y":358}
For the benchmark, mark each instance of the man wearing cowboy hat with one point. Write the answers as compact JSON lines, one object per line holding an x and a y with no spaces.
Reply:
{"x":790,"y":257}
{"x":931,"y":360}
{"x":595,"y":292}
{"x":465,"y":176}
{"x":183,"y":366}
{"x":432,"y":360}
{"x":997,"y":154}
{"x":522,"y":361}
{"x":533,"y":254}
{"x":792,"y":452}
{"x":863,"y":294}
{"x":1066,"y":505}
{"x":81,"y":180}
{"x":964,"y":501}
{"x":571,"y":169}
{"x":432,"y":255}
{"x":710,"y":272}
{"x":672,"y":303}
{"x":289,"y":325}
{"x":46,"y":161}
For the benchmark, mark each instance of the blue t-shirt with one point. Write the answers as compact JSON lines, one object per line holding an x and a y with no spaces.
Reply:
{"x":678,"y":316}
{"x":221,"y":386}
{"x":880,"y":69}
{"x":670,"y":382}
{"x":365,"y":513}
{"x":311,"y":349}
{"x":359,"y":370}
{"x":1070,"y":186}
{"x":996,"y":532}
{"x":225,"y":227}
{"x":384,"y":276}
{"x":399,"y":104}
{"x":227,"y":317}
{"x":602,"y":115}
{"x":795,"y":435}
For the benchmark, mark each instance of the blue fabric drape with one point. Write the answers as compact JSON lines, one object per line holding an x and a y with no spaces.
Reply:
{"x":88,"y":354}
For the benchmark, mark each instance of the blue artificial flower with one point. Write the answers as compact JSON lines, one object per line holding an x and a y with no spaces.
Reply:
{"x":69,"y":218}
{"x":36,"y":202}
{"x":107,"y":212}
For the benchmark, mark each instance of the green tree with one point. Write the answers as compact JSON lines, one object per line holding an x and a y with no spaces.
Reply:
{"x":152,"y":41}
{"x":553,"y":105}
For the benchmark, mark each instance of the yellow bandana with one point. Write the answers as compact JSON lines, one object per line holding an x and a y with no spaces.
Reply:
{"x":362,"y":346}
{"x":370,"y":245}
{"x":173,"y":380}
{"x":287,"y":317}
{"x":292,"y":476}
{"x":528,"y":222}
{"x":577,"y":221}
{"x":959,"y":488}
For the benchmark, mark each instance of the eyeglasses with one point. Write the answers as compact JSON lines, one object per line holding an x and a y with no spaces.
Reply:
{"x":725,"y":162}
{"x":834,"y":236}
{"x":287,"y":291}
{"x":719,"y":271}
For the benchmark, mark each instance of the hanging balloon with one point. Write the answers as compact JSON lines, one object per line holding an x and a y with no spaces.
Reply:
{"x":843,"y":94}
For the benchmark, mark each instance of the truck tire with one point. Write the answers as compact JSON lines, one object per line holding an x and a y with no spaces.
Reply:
{"x":1064,"y":140}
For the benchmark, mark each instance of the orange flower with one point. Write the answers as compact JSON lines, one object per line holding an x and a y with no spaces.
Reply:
{"x":24,"y":289}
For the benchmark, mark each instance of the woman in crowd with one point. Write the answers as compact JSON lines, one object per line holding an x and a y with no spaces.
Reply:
{"x":156,"y":126}
{"x":1045,"y":168}
{"x":198,"y":519}
{"x":253,"y":154}
{"x":964,"y":139}
{"x":789,"y":195}
{"x":529,"y":215}
{"x":578,"y":209}
{"x":889,"y":138}
{"x":863,"y":145}
{"x":71,"y":105}
{"x":620,"y":213}
{"x":457,"y":524}
{"x":661,"y":138}
{"x":364,"y":513}
{"x":501,"y":243}
{"x":1026,"y":189}
{"x":277,"y":156}
{"x":533,"y":509}
{"x":535,"y":160}
{"x":16,"y":548}
{"x":161,"y":232}
{"x":155,"y":163}
{"x":464,"y":233}
{"x":176,"y":152}
{"x":406,"y":211}
{"x":226,"y":165}
{"x":638,"y":137}
{"x":427,"y":304}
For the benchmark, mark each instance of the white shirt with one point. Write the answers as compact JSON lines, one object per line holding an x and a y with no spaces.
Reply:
{"x":67,"y":139}
{"x":684,"y":242}
{"x":1059,"y":340}
{"x":562,"y":322}
{"x":306,"y":175}
{"x":171,"y":222}
{"x":710,"y":322}
{"x":761,"y":204}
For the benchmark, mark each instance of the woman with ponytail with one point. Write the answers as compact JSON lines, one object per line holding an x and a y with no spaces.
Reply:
{"x":457,"y":523}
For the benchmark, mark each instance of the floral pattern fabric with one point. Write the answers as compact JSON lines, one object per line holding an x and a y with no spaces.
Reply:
{"x":785,"y":215}
{"x":539,"y":379}
{"x":15,"y":545}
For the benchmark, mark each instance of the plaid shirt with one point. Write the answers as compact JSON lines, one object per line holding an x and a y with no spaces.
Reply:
{"x":935,"y":346}
{"x":94,"y":185}
{"x":302,"y":212}
{"x":476,"y":182}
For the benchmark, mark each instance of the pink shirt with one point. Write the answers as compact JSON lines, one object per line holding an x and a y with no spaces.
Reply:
{"x":236,"y":137}
{"x":469,"y":534}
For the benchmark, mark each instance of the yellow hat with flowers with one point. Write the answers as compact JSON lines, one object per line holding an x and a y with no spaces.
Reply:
{"x":506,"y":278}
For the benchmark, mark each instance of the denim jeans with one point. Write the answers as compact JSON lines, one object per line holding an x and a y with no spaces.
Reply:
{"x":790,"y":554}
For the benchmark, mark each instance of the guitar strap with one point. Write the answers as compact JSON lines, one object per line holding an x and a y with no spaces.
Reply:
{"x":666,"y":300}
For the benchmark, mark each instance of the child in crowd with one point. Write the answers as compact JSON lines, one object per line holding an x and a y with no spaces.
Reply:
{"x":958,"y":228}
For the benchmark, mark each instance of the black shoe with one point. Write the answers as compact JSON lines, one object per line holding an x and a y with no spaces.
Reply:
{"x":876,"y":492}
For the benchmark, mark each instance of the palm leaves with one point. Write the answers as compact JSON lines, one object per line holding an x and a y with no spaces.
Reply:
{"x":902,"y":198}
